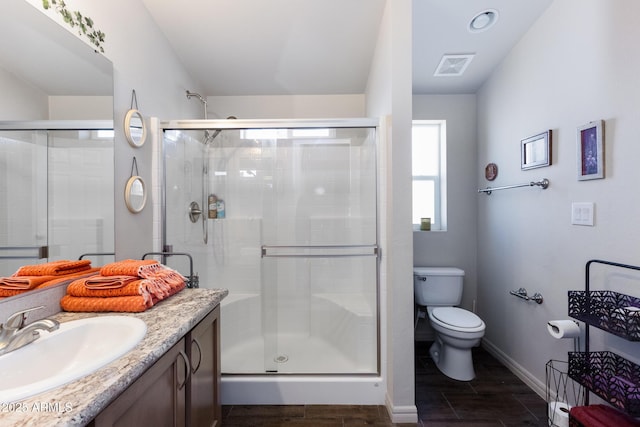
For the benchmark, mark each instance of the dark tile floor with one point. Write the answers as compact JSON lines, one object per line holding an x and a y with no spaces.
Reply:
{"x":496,"y":397}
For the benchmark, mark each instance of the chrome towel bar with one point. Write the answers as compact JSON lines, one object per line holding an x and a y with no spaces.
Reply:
{"x":42,"y":252}
{"x":327,"y":251}
{"x":544,"y":184}
{"x":522,"y":293}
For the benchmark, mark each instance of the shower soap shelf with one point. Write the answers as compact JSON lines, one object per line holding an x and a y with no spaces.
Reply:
{"x":605,"y":373}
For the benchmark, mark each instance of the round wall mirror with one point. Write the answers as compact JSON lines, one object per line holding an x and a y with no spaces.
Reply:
{"x":135,"y":128}
{"x":135,"y":195}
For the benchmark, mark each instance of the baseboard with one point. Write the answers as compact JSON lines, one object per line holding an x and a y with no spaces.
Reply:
{"x":539,"y":387}
{"x":401,"y":414}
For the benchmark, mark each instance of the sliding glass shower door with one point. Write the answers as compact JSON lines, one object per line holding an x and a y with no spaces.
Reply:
{"x":23,"y":190}
{"x":56,"y":192}
{"x":293,"y":237}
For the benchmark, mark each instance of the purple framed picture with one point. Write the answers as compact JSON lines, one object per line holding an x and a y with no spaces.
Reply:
{"x":591,"y":151}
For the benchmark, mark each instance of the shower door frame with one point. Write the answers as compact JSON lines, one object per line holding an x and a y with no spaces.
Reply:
{"x":243,"y":124}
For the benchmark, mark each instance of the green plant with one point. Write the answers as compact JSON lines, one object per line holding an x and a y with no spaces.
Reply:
{"x":77,"y":20}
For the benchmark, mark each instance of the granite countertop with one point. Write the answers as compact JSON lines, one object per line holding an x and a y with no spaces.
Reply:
{"x":77,"y":403}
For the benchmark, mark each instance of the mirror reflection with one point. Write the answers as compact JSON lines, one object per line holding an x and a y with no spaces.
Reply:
{"x":135,"y":195}
{"x":134,"y":128}
{"x":56,"y":143}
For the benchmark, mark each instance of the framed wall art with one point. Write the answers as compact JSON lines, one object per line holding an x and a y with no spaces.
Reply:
{"x":591,"y":151}
{"x":535,"y":151}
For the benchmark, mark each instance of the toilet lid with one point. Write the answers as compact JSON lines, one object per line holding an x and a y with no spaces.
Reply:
{"x":457,"y":317}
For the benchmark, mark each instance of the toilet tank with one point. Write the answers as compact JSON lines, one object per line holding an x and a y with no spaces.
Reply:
{"x":437,"y":286}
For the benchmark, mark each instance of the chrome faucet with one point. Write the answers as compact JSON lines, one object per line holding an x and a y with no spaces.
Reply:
{"x":14,"y":334}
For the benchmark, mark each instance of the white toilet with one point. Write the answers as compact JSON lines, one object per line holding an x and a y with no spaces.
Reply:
{"x":439,"y":289}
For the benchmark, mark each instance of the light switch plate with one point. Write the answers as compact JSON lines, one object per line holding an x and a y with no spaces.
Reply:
{"x":582,"y":213}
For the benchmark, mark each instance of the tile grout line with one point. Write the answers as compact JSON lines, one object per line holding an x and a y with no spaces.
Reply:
{"x":450,"y":406}
{"x":525,"y":407}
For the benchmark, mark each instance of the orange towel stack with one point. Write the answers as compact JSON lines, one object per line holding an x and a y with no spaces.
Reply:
{"x":123,"y":286}
{"x":40,"y":276}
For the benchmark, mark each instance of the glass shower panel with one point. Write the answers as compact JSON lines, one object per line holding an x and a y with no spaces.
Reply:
{"x":23,"y":192}
{"x":81,"y":191}
{"x":295,"y":247}
{"x":184,"y":192}
{"x":319,"y":237}
{"x":56,"y":193}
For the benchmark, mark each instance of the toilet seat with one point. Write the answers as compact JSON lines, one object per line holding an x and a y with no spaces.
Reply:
{"x":457,"y":318}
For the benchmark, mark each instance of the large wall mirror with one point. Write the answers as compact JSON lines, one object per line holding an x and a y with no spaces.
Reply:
{"x":56,"y":143}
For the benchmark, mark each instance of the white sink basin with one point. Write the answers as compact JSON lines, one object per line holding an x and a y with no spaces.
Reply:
{"x":76,"y":349}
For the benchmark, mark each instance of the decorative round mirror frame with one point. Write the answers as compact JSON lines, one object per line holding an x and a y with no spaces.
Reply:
{"x":128,"y":191}
{"x":139,"y":142}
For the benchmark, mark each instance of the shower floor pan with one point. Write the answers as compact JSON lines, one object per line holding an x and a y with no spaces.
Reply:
{"x":297,"y":353}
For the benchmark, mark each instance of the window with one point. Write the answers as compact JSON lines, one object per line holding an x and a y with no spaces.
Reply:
{"x":428,"y":142}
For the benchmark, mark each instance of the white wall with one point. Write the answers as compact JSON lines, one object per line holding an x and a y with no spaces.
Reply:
{"x":142,"y":60}
{"x":286,"y":106}
{"x":80,"y":108}
{"x":27,"y":102}
{"x":455,"y":247}
{"x":577,"y":64}
{"x":389,"y":97}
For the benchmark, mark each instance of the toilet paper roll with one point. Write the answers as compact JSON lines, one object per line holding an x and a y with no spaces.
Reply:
{"x":563,"y":329}
{"x":559,"y":414}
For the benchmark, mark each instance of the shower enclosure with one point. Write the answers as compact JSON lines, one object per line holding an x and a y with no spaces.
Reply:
{"x":283,"y":214}
{"x":56,"y":191}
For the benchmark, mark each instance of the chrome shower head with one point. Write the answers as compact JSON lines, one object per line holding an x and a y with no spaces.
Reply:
{"x":202,"y":100}
{"x":192,"y":94}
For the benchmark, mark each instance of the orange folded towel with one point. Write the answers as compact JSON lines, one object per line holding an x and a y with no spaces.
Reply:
{"x":70,"y":277}
{"x":54,"y":268}
{"x":12,"y":292}
{"x":51,"y":281}
{"x":23,"y":282}
{"x":136,"y":287}
{"x":177,"y":288}
{"x":125,"y":304}
{"x":127,"y":267}
{"x":123,"y":286}
{"x":108,"y":282}
{"x":165,"y":274}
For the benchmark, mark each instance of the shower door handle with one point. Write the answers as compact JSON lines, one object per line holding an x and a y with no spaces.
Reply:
{"x":320,"y":251}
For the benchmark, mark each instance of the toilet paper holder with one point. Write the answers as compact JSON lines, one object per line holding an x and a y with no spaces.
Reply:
{"x":522,"y":293}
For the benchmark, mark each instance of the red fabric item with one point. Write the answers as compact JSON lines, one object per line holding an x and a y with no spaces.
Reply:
{"x":600,"y":416}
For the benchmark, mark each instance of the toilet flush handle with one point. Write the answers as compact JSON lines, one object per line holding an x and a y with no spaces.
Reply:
{"x":422,"y":278}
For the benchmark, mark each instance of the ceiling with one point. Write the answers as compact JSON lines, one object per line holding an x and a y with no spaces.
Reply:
{"x":306,"y":47}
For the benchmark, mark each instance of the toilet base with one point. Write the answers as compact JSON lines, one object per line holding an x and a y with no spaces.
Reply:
{"x":456,"y":363}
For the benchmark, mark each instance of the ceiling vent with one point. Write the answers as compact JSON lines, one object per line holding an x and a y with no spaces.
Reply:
{"x":453,"y":65}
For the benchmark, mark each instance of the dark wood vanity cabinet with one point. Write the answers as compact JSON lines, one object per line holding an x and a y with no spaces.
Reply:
{"x":181,"y":389}
{"x":203,"y":392}
{"x":157,"y":398}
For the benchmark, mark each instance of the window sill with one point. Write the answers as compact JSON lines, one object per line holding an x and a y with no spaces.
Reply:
{"x":417,"y":230}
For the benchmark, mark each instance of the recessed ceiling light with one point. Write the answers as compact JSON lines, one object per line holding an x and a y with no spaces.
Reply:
{"x":483,"y":21}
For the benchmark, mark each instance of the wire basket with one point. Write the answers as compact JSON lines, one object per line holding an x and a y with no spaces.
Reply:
{"x":610,"y":376}
{"x":561,"y":388}
{"x":610,"y":311}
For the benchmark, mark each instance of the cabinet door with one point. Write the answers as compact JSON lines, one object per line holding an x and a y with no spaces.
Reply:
{"x":203,"y":395}
{"x":156,"y":399}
